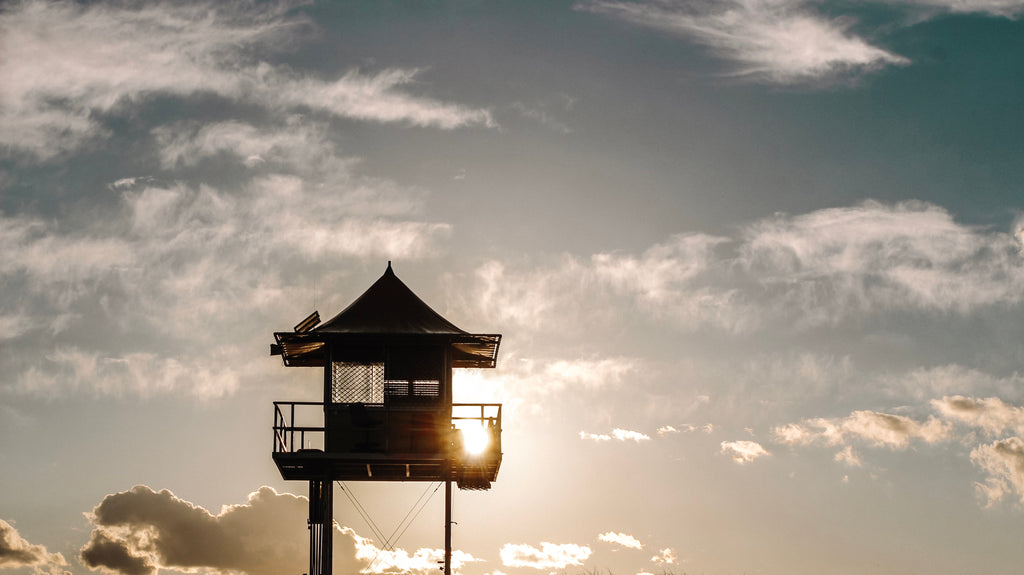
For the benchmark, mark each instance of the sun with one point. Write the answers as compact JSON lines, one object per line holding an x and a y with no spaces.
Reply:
{"x":475,"y":438}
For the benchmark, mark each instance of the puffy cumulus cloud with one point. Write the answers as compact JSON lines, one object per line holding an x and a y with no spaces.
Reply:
{"x":423,"y":561}
{"x":666,"y":556}
{"x":848,"y":457}
{"x":16,"y":553}
{"x":991,"y":414}
{"x":141,"y":532}
{"x":617,"y":433}
{"x":784,"y":272}
{"x":1003,"y":461}
{"x":595,"y":436}
{"x":549,"y":556}
{"x":877,"y":429}
{"x":623,"y":539}
{"x":773,"y":41}
{"x":743,"y":451}
{"x":65,"y":64}
{"x":667,"y":430}
{"x":629,"y":435}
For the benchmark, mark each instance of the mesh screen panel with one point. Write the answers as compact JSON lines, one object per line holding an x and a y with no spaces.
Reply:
{"x":353,"y":382}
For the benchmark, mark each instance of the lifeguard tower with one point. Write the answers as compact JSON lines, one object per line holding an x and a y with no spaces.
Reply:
{"x":387,"y":412}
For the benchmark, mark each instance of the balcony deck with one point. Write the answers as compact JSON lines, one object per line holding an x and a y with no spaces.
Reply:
{"x":300,"y":450}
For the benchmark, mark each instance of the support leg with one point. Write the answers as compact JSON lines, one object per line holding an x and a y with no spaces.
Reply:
{"x":321,"y":526}
{"x":448,"y":527}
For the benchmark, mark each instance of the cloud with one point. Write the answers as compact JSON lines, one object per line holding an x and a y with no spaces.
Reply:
{"x":140,"y":374}
{"x":784,"y":272}
{"x":16,"y":553}
{"x":549,"y":556}
{"x":617,"y":433}
{"x":423,"y":561}
{"x":65,"y":64}
{"x":528,"y":383}
{"x":141,"y":531}
{"x":847,"y":456}
{"x":925,"y":383}
{"x":621,"y":539}
{"x":990,"y":414}
{"x":771,"y":41}
{"x":743,"y":451}
{"x":877,"y":429}
{"x":1006,"y":8}
{"x":1003,"y":461}
{"x":172,"y":260}
{"x":666,"y":556}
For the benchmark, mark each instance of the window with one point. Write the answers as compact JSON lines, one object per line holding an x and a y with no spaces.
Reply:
{"x":357,"y":382}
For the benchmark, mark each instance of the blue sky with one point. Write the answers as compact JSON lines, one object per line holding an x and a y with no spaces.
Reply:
{"x":758,"y":266}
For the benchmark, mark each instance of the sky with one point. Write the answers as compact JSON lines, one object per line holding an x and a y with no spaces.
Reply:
{"x":758,"y":266}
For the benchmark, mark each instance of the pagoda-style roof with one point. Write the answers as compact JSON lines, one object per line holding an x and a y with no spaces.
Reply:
{"x":387,"y":311}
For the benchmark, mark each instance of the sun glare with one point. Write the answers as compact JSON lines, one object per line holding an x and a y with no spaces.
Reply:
{"x":475,"y":438}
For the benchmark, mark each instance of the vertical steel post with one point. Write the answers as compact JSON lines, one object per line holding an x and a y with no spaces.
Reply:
{"x":448,"y":527}
{"x":449,"y":456}
{"x":321,"y":526}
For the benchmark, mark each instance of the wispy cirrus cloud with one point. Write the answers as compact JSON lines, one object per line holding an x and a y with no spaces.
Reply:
{"x":785,"y":272}
{"x":66,"y":63}
{"x":772,"y":41}
{"x":549,"y":556}
{"x":170,"y":260}
{"x":1006,"y":8}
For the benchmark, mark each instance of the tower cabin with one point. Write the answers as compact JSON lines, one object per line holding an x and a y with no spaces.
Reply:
{"x":387,"y":412}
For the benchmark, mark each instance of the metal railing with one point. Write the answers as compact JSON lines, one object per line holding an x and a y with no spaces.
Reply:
{"x":286,"y":431}
{"x":290,"y":437}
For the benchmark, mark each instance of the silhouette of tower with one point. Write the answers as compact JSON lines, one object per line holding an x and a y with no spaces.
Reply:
{"x":387,"y":412}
